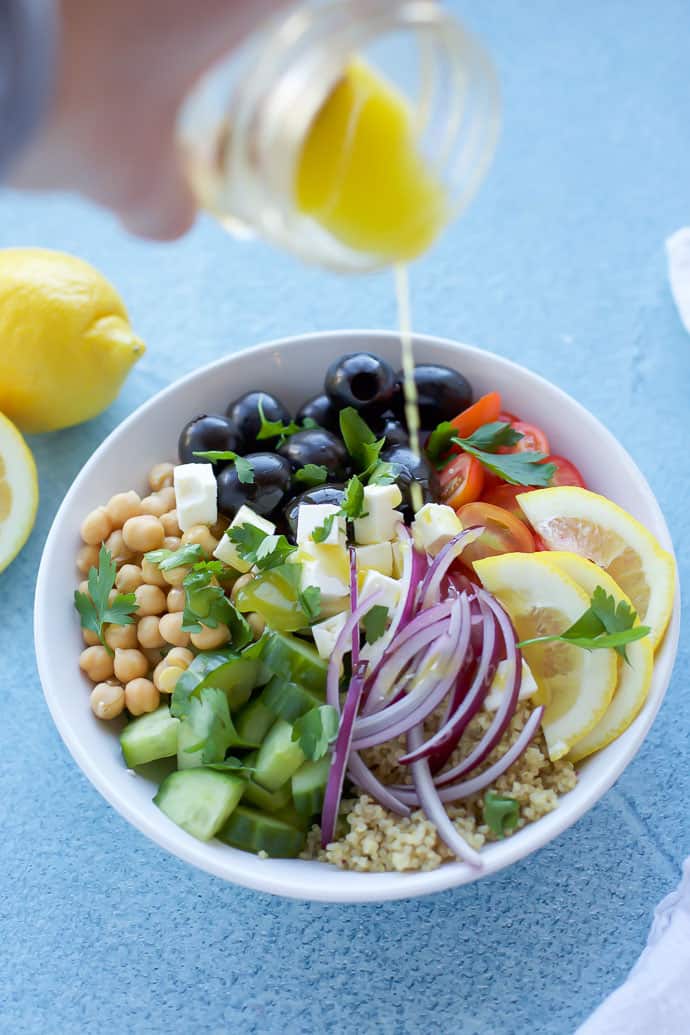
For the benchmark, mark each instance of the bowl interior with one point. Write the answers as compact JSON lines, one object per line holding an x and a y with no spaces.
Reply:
{"x":294,"y":369}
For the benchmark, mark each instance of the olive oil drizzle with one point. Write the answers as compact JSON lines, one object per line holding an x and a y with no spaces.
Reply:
{"x":402,"y":294}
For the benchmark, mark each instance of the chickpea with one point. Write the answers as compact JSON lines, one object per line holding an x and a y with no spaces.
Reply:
{"x":96,"y":527}
{"x":243,"y":581}
{"x":175,"y":600}
{"x":160,"y":476}
{"x":90,"y":637}
{"x":169,"y":523}
{"x":119,"y":550}
{"x":181,"y":657}
{"x":143,"y":533}
{"x":257,"y":624}
{"x":209,"y":638}
{"x":123,"y":506}
{"x":200,"y":534}
{"x":171,"y":629}
{"x":168,"y":678}
{"x":151,"y":600}
{"x":175,"y":576}
{"x":113,"y":595}
{"x":97,"y":663}
{"x":152,"y":574}
{"x":172,"y":542}
{"x":87,"y":558}
{"x":154,"y":655}
{"x":122,"y":637}
{"x":158,"y":672}
{"x":148,"y":632}
{"x":84,"y":588}
{"x":107,"y":700}
{"x":129,"y":578}
{"x":159,"y":503}
{"x":141,"y":696}
{"x":130,"y":664}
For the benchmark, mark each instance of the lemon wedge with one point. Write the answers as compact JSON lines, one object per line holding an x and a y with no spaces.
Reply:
{"x":18,"y":492}
{"x":576,"y":685}
{"x":634,"y":676}
{"x":579,"y":521}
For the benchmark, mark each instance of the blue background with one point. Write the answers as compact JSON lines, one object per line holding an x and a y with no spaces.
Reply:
{"x":560,"y":265}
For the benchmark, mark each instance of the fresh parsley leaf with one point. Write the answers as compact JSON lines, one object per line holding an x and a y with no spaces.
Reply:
{"x":94,"y":610}
{"x":232,"y":765}
{"x":205,"y":603}
{"x":491,"y":437}
{"x":501,"y":814}
{"x":322,"y":532}
{"x":514,"y":468}
{"x":274,"y":428}
{"x":310,"y":601}
{"x":360,"y":441}
{"x":240,"y":629}
{"x":258,"y":548}
{"x":209,"y":717}
{"x":374,"y":623}
{"x":311,"y":474}
{"x":308,"y":423}
{"x":167,"y":559}
{"x":245,"y":471}
{"x":439,"y":440}
{"x":384,"y":473}
{"x":216,"y":568}
{"x":247,"y":538}
{"x":353,"y":500}
{"x":315,"y":730}
{"x":603,"y":625}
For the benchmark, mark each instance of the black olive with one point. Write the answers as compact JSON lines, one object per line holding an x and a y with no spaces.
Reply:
{"x":412,"y":468}
{"x":271,"y":483}
{"x":442,"y":393}
{"x":391,"y":429}
{"x":244,"y":414}
{"x":320,"y":494}
{"x":203,"y":434}
{"x":321,"y":410}
{"x":362,"y":380}
{"x":316,"y":446}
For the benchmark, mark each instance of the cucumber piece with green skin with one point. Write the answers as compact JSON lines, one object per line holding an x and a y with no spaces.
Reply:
{"x":254,"y":720}
{"x":309,"y":786}
{"x":295,"y":660}
{"x":267,"y":801}
{"x":289,"y":814}
{"x":289,"y":700}
{"x":199,"y":800}
{"x":279,"y":757}
{"x":254,"y":831}
{"x":150,"y":737}
{"x":226,"y":669}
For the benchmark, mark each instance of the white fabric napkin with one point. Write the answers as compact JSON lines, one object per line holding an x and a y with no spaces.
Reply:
{"x":678,"y":252}
{"x":655,"y":999}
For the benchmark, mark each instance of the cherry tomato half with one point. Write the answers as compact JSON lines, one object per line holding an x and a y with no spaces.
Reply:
{"x":484,"y":411}
{"x":566,"y":473}
{"x":533,"y":439}
{"x":503,"y":532}
{"x":504,"y":495}
{"x":507,"y":418}
{"x":462,"y":481}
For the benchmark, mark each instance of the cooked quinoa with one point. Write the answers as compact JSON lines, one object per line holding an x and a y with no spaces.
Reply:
{"x":378,"y":841}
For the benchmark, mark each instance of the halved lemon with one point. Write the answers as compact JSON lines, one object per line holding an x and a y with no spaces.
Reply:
{"x":634,"y":676}
{"x":18,"y":492}
{"x":576,"y":685}
{"x":579,"y":521}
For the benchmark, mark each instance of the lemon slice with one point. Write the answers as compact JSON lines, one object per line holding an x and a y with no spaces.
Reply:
{"x":580,"y":521}
{"x":18,"y":492}
{"x":576,"y":685}
{"x":634,"y":676}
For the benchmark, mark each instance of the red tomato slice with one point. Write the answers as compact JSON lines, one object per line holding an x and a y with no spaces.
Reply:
{"x":503,"y":532}
{"x":484,"y":411}
{"x":533,"y":439}
{"x":462,"y":481}
{"x":507,"y":418}
{"x":504,"y":495}
{"x":566,"y":473}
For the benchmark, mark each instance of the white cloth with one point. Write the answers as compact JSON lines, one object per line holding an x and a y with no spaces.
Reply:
{"x":678,"y":252}
{"x":655,"y":999}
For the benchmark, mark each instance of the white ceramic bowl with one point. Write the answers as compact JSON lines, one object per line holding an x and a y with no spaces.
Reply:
{"x":294,"y":369}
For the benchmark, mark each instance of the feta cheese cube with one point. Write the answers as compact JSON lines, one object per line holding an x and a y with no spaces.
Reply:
{"x":377,"y":557}
{"x":327,"y":568}
{"x":372,"y":582}
{"x":399,"y":550}
{"x":311,"y":516}
{"x":499,"y":685}
{"x":226,"y":551}
{"x":382,"y":518}
{"x":195,"y":495}
{"x":434,"y":526}
{"x":326,"y":634}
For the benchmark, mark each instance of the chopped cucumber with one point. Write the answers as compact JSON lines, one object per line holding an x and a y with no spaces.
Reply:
{"x":150,"y":737}
{"x":255,"y":832}
{"x":309,"y":785}
{"x":289,"y":814}
{"x":295,"y":660}
{"x":278,"y":758}
{"x":227,"y":670}
{"x":268,"y":801}
{"x":199,"y":800}
{"x":187,"y":737}
{"x":254,"y":720}
{"x":289,"y":700}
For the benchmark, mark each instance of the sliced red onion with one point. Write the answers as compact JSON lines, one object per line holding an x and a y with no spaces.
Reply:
{"x":477,"y":783}
{"x":396,"y":663}
{"x":336,"y":659}
{"x":361,"y":775}
{"x":353,"y":606}
{"x":339,"y":758}
{"x":433,"y":806}
{"x":429,"y":590}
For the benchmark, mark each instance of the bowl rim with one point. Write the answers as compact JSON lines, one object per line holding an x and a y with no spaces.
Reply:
{"x":357,"y":887}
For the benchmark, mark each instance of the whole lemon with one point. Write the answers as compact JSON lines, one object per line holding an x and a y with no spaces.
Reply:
{"x":66,"y":344}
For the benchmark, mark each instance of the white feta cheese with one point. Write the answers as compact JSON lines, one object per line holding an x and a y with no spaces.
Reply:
{"x":377,"y":556}
{"x":226,"y":551}
{"x":326,"y":634}
{"x":499,"y":685}
{"x":311,"y":516}
{"x":399,"y":551}
{"x":434,"y":526}
{"x":374,"y":582}
{"x":195,"y":495}
{"x":327,"y":568}
{"x":382,"y":518}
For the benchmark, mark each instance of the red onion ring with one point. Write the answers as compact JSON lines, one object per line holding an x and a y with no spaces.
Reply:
{"x":361,"y":775}
{"x":429,"y":589}
{"x":339,"y":758}
{"x":336,"y":659}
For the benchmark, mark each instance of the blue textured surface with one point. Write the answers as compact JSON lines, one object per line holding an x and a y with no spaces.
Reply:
{"x":560,"y":265}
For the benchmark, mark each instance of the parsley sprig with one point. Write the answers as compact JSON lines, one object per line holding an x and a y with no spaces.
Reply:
{"x":208,"y":715}
{"x":311,"y":475}
{"x":309,"y":599}
{"x":514,"y":468}
{"x":365,"y":449}
{"x":316,"y":730}
{"x":191,"y":553}
{"x":205,"y":603}
{"x":277,"y":429}
{"x":244,"y":468}
{"x":500,"y":813}
{"x":258,"y":548}
{"x":351,"y":508}
{"x":374,"y":623}
{"x":94,"y":610}
{"x":604,"y":624}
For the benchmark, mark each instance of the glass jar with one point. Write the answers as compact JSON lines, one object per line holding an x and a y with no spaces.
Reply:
{"x":243,"y":128}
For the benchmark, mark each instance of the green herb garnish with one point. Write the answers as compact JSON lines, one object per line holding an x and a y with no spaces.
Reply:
{"x":374,"y":622}
{"x":501,"y":814}
{"x":315,"y":730}
{"x":352,"y":508}
{"x":245,"y":471}
{"x":309,"y":599}
{"x":208,"y":715}
{"x":232,"y":765}
{"x":311,"y":475}
{"x":274,"y":428}
{"x":94,"y":610}
{"x":204,"y":602}
{"x":167,"y":559}
{"x":360,"y":441}
{"x":514,"y":468}
{"x":384,"y":473}
{"x":258,"y":548}
{"x":440,"y":440}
